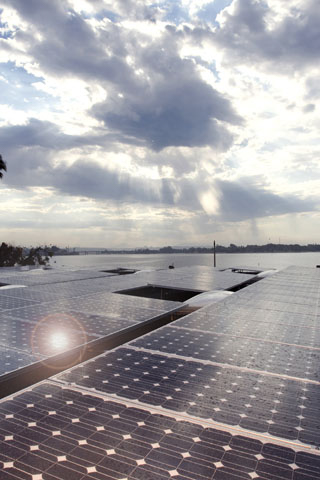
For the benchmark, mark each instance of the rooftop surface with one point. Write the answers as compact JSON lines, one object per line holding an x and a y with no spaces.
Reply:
{"x":229,"y":391}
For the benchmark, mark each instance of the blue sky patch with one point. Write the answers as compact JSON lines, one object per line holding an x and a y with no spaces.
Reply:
{"x":210,"y":11}
{"x":175,"y":13}
{"x":16,"y":87}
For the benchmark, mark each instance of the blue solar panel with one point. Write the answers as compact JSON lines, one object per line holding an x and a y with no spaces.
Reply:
{"x":53,"y":433}
{"x":230,"y":391}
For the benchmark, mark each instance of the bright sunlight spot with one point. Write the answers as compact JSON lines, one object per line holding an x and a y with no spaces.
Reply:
{"x":59,"y":340}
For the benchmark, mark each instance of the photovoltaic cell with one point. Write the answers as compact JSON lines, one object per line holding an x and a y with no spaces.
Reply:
{"x":7,"y":303}
{"x":45,"y":338}
{"x":58,"y":311}
{"x":299,"y":335}
{"x":53,"y":433}
{"x":228,"y":392}
{"x":280,"y":358}
{"x":12,"y":359}
{"x":281,"y":407}
{"x":263,"y":386}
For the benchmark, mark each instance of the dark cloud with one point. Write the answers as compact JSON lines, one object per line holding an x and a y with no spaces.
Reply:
{"x":180,"y":160}
{"x":101,"y":183}
{"x":37,"y":133}
{"x":310,"y":107}
{"x":247,"y":199}
{"x":166,"y":104}
{"x":32,"y":151}
{"x":93,"y":181}
{"x":35,"y":167}
{"x":183,"y":113}
{"x":175,"y":107}
{"x":49,"y":136}
{"x":313,"y":88}
{"x":69,"y":46}
{"x":293,"y":42}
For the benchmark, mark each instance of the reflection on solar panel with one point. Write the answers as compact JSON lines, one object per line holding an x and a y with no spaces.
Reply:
{"x":60,"y":310}
{"x":230,"y":391}
{"x":11,"y":359}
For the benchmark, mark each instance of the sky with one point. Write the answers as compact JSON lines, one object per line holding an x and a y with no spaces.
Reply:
{"x":131,"y":123}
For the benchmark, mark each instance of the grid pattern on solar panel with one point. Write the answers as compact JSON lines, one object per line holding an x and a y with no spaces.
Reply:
{"x":288,"y":409}
{"x":72,"y":289}
{"x":130,"y":315}
{"x":243,"y":314}
{"x":12,"y":359}
{"x":45,"y":320}
{"x":7,"y":303}
{"x":269,"y":404}
{"x":46,"y":338}
{"x":267,"y":301}
{"x":259,"y":296}
{"x":54,"y":275}
{"x":255,"y":328}
{"x":34,"y":277}
{"x":92,"y":324}
{"x":74,"y":284}
{"x":96,"y":325}
{"x":34,"y":313}
{"x":42,"y":278}
{"x":53,"y":433}
{"x":34,"y":294}
{"x":273,"y":357}
{"x":106,"y":301}
{"x":80,"y":287}
{"x":302,"y":329}
{"x":287,"y":307}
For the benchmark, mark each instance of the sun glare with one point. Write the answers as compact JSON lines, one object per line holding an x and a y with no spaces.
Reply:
{"x":59,"y":340}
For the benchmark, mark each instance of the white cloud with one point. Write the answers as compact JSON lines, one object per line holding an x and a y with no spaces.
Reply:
{"x":125,"y":115}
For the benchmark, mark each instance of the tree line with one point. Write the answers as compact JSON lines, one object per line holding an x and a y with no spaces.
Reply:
{"x":232,"y":248}
{"x":10,"y":255}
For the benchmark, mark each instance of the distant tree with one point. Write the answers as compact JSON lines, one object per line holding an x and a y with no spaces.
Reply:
{"x":11,"y":256}
{"x":34,"y":257}
{"x":3,"y":166}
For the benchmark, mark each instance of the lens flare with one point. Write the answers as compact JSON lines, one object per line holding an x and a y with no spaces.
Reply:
{"x":59,"y":340}
{"x":55,"y":335}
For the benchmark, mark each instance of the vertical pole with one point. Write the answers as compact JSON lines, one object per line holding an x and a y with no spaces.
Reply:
{"x":214,"y":253}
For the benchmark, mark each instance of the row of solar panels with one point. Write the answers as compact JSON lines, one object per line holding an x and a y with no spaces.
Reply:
{"x":61,"y":310}
{"x":228,"y":392}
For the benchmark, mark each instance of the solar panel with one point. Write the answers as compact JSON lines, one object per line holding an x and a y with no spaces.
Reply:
{"x":7,"y":303}
{"x":250,"y":400}
{"x":46,"y":338}
{"x":12,"y":359}
{"x":53,"y":432}
{"x":235,"y":350}
{"x":227,"y":392}
{"x":303,"y":335}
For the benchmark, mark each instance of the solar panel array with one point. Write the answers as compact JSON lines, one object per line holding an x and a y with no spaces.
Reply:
{"x":59,"y":310}
{"x":212,"y":396}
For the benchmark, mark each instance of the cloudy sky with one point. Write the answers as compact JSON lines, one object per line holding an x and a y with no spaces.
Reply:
{"x":127,"y":123}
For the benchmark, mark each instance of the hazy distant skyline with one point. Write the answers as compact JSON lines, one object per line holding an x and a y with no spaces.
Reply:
{"x":133,"y":123}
